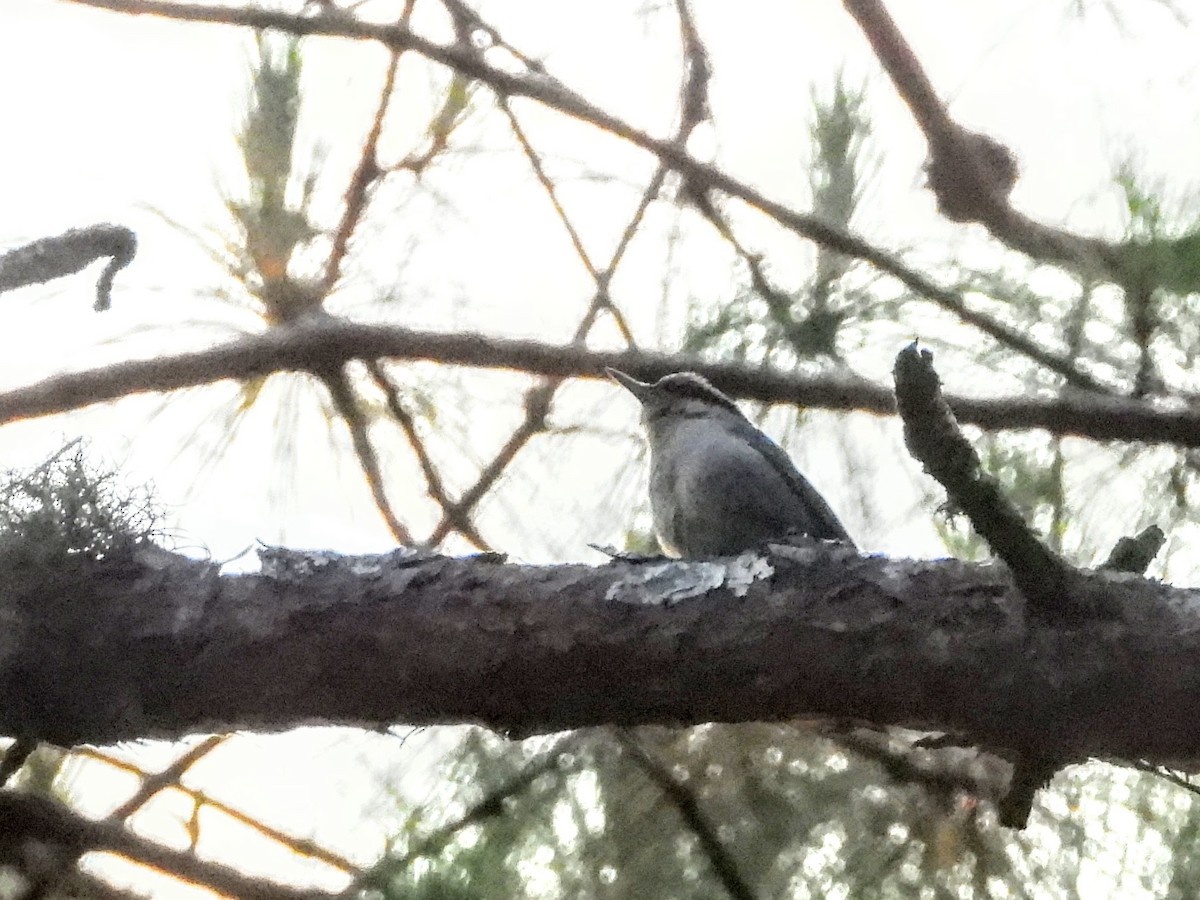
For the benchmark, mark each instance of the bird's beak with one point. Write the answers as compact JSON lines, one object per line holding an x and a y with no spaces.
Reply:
{"x":639,"y":389}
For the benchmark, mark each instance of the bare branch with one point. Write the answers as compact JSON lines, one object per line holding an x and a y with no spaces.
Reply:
{"x":684,"y":800}
{"x":345,"y":401}
{"x":151,"y":785}
{"x":553,"y":94}
{"x":68,"y":253}
{"x":25,"y":817}
{"x":932,"y":436}
{"x":366,"y":173}
{"x":537,"y":407}
{"x":983,"y":778}
{"x":311,"y":346}
{"x":302,"y":846}
{"x":973,"y":174}
{"x":433,"y":480}
{"x":168,"y":777}
{"x":490,"y":805}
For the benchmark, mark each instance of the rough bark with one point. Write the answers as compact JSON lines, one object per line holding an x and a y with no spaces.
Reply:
{"x":162,"y":646}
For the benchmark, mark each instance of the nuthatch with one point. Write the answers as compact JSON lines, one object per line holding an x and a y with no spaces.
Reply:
{"x":718,"y":485}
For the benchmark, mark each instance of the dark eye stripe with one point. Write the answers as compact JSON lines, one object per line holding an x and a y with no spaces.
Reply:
{"x":689,"y":385}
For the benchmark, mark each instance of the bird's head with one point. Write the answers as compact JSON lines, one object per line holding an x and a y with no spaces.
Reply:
{"x":679,"y":395}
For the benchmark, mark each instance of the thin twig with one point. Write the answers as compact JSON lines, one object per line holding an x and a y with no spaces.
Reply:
{"x":366,"y":173}
{"x":1039,"y":241}
{"x":345,"y":401}
{"x":433,"y":479}
{"x":539,"y":171}
{"x":684,"y":800}
{"x":301,"y":846}
{"x":902,"y":766}
{"x":1177,"y":778}
{"x":30,"y":817}
{"x":537,"y":407}
{"x":492,"y":804}
{"x":538,"y":398}
{"x":151,"y":784}
{"x":168,"y":777}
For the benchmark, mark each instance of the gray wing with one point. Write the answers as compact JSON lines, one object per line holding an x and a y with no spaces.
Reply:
{"x":750,"y":492}
{"x":826,"y":524}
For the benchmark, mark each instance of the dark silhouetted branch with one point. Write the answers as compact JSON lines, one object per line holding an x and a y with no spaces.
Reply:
{"x":684,"y":800}
{"x":933,"y":437}
{"x":671,"y":153}
{"x":301,"y":846}
{"x":314,"y":345}
{"x":24,"y":817}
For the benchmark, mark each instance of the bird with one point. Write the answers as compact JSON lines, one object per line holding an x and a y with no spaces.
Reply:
{"x":718,"y":485}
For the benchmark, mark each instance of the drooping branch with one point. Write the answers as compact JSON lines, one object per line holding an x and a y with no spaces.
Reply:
{"x":67,"y":253}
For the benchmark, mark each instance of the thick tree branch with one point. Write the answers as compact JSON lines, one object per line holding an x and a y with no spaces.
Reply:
{"x":166,"y":647}
{"x":316,"y":345}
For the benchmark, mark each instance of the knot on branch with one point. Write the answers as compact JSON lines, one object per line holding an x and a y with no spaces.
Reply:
{"x":1134,"y":554}
{"x":971,"y":174}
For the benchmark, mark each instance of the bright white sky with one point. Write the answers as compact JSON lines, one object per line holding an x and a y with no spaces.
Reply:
{"x":109,"y":116}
